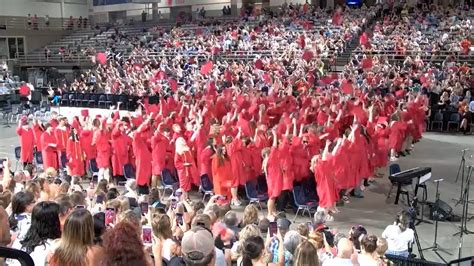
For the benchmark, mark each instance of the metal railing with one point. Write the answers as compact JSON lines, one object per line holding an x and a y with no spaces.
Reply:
{"x":25,"y":23}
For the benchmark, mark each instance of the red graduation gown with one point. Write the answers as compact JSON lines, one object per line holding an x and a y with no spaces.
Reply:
{"x":206,"y":162}
{"x":62,"y":137}
{"x":326,"y":187}
{"x":301,"y":159}
{"x":26,"y":143}
{"x":222,"y":174}
{"x":286,"y":164}
{"x":75,"y":158}
{"x":142,"y":153}
{"x":102,"y":145}
{"x":50,"y":156}
{"x":159,"y":145}
{"x":37,"y":132}
{"x":274,"y":174}
{"x":187,"y":174}
{"x":120,"y":148}
{"x":234,"y":149}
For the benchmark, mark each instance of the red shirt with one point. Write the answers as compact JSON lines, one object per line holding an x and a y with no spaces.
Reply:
{"x":24,"y":91}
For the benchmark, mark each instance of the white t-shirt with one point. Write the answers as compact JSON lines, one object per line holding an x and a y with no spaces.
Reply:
{"x":396,"y":239}
{"x":166,"y":249}
{"x":39,"y":254}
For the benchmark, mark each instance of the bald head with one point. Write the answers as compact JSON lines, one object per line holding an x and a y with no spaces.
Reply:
{"x":345,"y":248}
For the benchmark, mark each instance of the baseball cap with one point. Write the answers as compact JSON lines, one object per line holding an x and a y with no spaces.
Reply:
{"x":197,"y":244}
{"x":283,"y":223}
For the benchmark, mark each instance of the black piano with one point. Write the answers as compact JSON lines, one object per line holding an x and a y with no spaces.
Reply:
{"x":406,"y":177}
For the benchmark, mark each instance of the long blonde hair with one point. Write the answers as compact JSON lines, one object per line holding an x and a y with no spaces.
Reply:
{"x":76,"y":239}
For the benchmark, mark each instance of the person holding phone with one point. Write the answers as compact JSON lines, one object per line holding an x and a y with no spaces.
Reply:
{"x":161,"y":225}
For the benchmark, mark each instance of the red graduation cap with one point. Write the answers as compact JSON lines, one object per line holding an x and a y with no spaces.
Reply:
{"x":160,"y":75}
{"x":85,"y":112}
{"x":382,"y":120}
{"x":347,"y":87}
{"x":173,"y":84}
{"x":400,"y":93}
{"x":101,"y":58}
{"x":307,"y":55}
{"x":207,"y":67}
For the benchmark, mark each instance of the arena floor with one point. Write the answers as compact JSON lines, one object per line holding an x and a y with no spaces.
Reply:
{"x":439,"y":151}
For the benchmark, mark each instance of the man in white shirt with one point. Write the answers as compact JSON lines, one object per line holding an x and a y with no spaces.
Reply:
{"x":344,"y":254}
{"x":399,"y":236}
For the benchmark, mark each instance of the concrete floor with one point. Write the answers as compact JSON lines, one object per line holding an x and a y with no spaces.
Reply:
{"x":440,"y":151}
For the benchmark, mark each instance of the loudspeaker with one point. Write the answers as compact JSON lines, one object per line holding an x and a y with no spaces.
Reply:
{"x":441,"y":211}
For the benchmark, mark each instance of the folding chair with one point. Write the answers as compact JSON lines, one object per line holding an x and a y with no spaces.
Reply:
{"x":302,"y":203}
{"x":38,"y":160}
{"x":437,"y":120}
{"x":93,"y":169}
{"x":251,"y":191}
{"x":22,"y":257}
{"x":394,"y":169}
{"x":128,"y":171}
{"x":454,"y":119}
{"x":168,"y":182}
{"x":206,"y":187}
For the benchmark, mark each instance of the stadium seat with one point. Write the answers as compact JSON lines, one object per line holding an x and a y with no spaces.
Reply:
{"x":206,"y":187}
{"x":454,"y":119}
{"x":251,"y":191}
{"x":437,"y":120}
{"x":129,"y":171}
{"x":302,"y":203}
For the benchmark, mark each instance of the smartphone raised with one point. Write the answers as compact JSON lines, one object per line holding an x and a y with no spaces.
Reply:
{"x":179,"y":219}
{"x":310,"y":226}
{"x":99,"y":199}
{"x":144,"y":207}
{"x":174,"y":203}
{"x":109,"y":216}
{"x":146,"y":235}
{"x":272,"y":228}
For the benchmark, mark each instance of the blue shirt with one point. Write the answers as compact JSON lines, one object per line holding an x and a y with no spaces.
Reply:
{"x":274,"y":245}
{"x":471,"y":107}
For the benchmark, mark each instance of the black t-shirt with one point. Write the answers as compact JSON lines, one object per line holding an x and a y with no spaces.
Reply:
{"x":175,"y":261}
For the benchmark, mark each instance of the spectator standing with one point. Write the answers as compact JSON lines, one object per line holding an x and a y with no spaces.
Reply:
{"x":46,"y":20}
{"x":28,"y":21}
{"x":35,"y":22}
{"x":144,"y":16}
